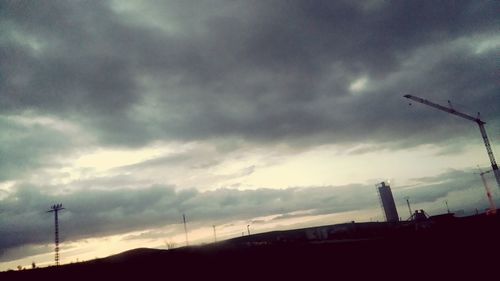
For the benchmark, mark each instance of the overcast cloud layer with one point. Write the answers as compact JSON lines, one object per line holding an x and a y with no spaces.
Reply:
{"x":77,"y":76}
{"x":133,"y":73}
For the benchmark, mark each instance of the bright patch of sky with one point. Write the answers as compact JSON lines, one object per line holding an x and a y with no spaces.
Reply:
{"x":358,"y":85}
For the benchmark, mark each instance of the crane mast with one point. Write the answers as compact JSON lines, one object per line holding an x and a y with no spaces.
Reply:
{"x":493,"y":208}
{"x":477,"y":120}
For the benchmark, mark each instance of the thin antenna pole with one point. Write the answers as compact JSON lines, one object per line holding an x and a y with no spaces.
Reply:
{"x":185,"y":229}
{"x":447,"y":208}
{"x":215,"y":234}
{"x":55,"y":209}
{"x":408,"y":203}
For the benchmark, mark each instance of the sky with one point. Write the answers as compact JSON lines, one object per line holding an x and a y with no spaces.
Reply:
{"x":272,"y":114}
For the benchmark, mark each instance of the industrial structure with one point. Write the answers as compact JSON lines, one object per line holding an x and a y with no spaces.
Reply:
{"x":55,"y":209}
{"x":387,"y":202}
{"x":477,"y":120}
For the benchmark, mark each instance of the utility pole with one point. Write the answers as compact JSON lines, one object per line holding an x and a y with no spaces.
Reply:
{"x":215,"y":234}
{"x":477,"y":120}
{"x":55,"y":209}
{"x":248,"y":229}
{"x":185,"y":228}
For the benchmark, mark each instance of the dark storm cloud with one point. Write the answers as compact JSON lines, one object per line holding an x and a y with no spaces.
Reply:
{"x":56,"y":58}
{"x":24,"y":251}
{"x":431,"y":188}
{"x":94,"y":213}
{"x":264,"y":71}
{"x":24,"y":148}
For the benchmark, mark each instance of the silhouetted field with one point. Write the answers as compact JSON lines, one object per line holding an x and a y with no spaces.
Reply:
{"x":465,"y":248}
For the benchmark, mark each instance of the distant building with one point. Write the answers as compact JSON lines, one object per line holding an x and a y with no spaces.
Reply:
{"x":387,"y":201}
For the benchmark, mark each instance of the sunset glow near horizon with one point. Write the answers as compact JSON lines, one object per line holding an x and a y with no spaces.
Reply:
{"x":276,"y":115}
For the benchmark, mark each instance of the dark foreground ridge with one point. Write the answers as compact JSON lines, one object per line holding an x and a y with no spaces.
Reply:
{"x":442,"y":246}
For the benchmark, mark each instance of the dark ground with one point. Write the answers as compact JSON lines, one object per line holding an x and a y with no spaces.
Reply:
{"x":460,"y":249}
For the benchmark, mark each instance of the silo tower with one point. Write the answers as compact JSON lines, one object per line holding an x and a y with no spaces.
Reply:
{"x":387,"y":201}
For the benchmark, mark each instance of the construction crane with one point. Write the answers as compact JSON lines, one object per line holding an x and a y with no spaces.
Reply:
{"x":493,"y":208}
{"x":477,"y":120}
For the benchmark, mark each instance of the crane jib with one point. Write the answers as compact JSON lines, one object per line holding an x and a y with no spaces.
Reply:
{"x":479,"y":122}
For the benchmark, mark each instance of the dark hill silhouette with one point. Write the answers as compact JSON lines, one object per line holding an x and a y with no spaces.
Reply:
{"x":439,"y":247}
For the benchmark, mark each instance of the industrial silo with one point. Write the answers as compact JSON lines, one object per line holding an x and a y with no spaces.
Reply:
{"x":387,"y":201}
